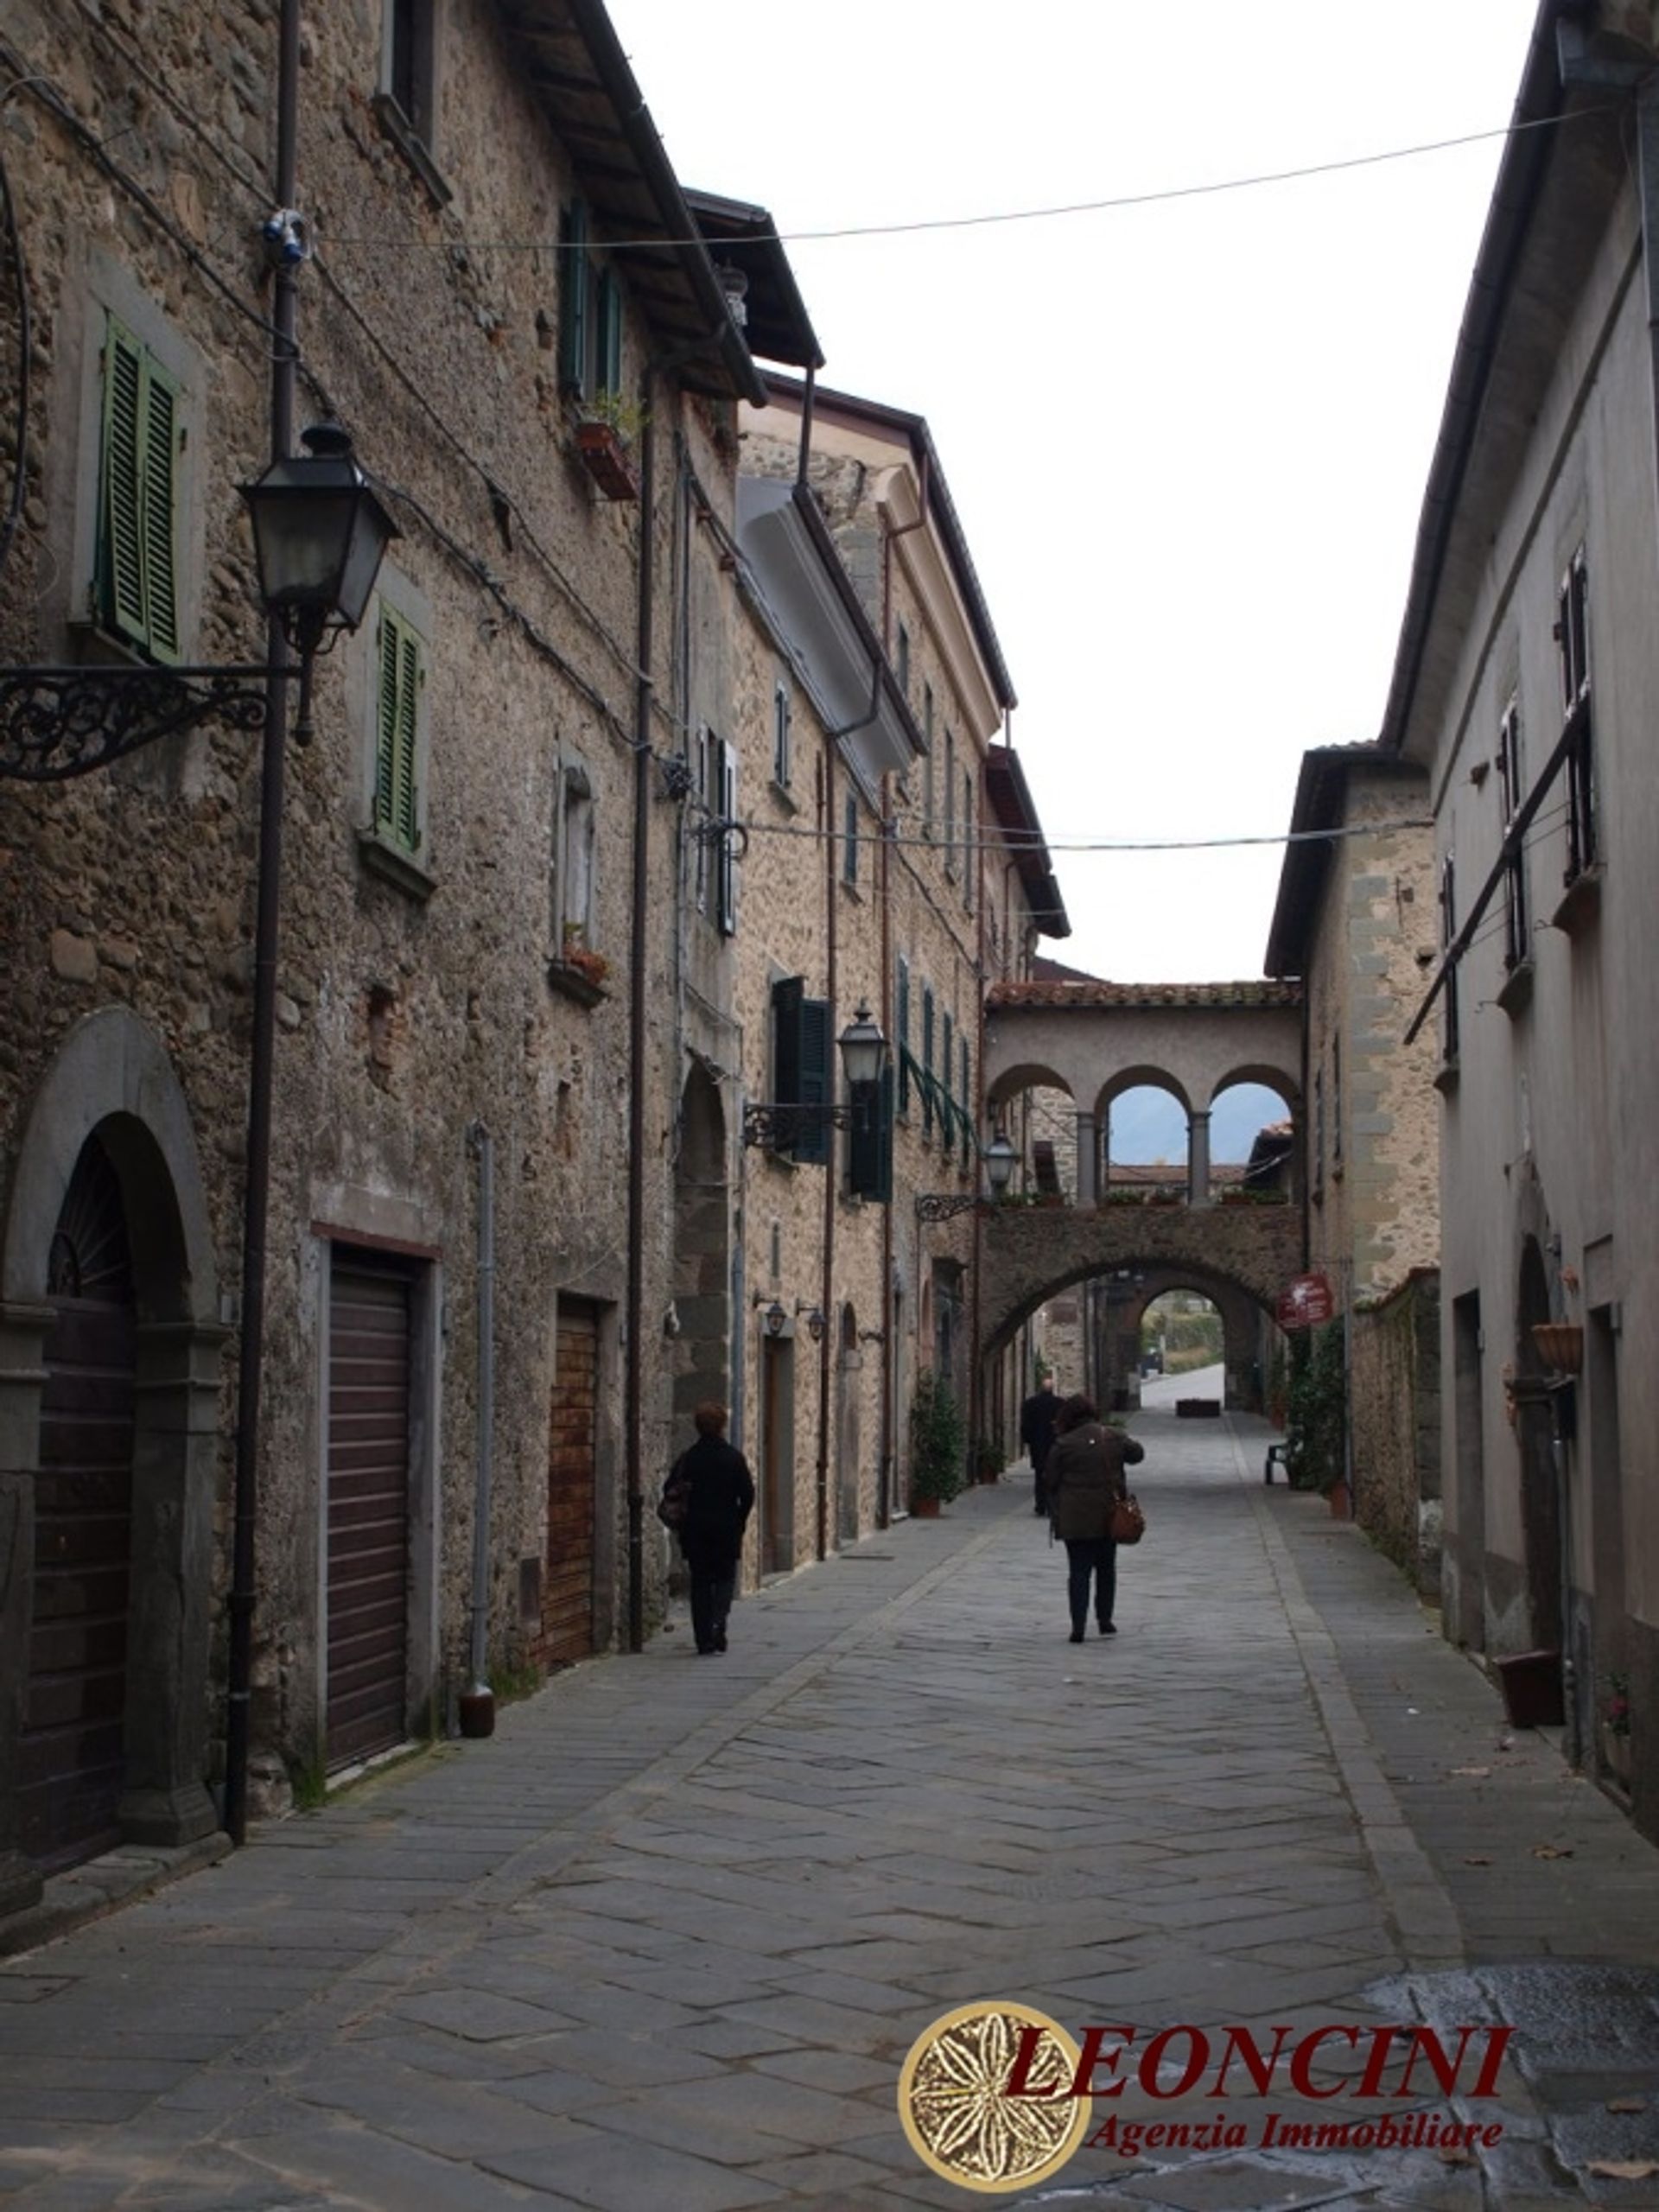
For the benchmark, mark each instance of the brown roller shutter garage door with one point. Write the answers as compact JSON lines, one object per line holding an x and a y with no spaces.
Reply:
{"x":567,"y":1576}
{"x":367,"y":1506}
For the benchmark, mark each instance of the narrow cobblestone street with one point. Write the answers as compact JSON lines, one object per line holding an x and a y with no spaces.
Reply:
{"x":664,"y":1940}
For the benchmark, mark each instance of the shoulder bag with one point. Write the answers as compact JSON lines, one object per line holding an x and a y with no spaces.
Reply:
{"x":1128,"y":1521}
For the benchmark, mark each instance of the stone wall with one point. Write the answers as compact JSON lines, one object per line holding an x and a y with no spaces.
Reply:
{"x":1395,"y":1412}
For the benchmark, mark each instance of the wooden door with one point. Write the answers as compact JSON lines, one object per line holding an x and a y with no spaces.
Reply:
{"x":75,"y":1719}
{"x":777,"y":1458}
{"x":572,"y":1487}
{"x":367,"y":1507}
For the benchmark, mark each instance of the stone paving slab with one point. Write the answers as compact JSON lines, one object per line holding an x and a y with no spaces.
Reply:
{"x":664,"y":1941}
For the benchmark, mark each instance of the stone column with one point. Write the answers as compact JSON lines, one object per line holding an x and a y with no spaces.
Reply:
{"x":1088,"y":1160}
{"x":23,"y":1375}
{"x":174,"y":1447}
{"x":1197,"y":1159}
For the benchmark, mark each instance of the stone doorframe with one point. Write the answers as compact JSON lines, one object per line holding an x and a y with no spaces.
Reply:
{"x":112,"y":1076}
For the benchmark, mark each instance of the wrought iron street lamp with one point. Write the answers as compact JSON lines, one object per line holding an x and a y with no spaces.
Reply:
{"x":864,"y":1052}
{"x":319,"y":535}
{"x":998,"y":1157}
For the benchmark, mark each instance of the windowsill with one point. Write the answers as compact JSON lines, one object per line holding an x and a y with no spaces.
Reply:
{"x":1446,"y":1078}
{"x":1581,"y":904}
{"x":782,"y":796}
{"x":571,"y":984}
{"x":396,"y":868}
{"x":852,"y":890}
{"x":397,"y":126}
{"x":1515,"y":993}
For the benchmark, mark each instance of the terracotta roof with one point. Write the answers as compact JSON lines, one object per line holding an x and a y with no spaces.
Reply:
{"x":1097,"y":995}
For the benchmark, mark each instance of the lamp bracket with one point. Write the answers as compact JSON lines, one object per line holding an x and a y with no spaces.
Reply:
{"x":777,"y":1125}
{"x":945,"y":1205}
{"x":56,"y":723}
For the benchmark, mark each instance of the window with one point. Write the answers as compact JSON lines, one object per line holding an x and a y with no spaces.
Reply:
{"x":573,"y":860}
{"x":849,"y":840}
{"x":949,"y":803}
{"x":969,"y":856}
{"x":927,"y":762}
{"x":140,"y":465}
{"x":901,"y":1023}
{"x":590,"y":314}
{"x":901,"y":660}
{"x":715,"y":772}
{"x":1517,"y":940}
{"x":782,"y":736}
{"x":869,"y":1141}
{"x":409,"y":64}
{"x":1448,"y":934}
{"x":1336,"y":1106}
{"x":800,"y":1071}
{"x":400,"y":682}
{"x":407,"y":101}
{"x":1573,"y":643}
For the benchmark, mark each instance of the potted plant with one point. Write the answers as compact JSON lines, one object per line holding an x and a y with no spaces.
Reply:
{"x":987,"y":1460}
{"x":938,"y":1445}
{"x":1615,"y":1729}
{"x":610,"y":421}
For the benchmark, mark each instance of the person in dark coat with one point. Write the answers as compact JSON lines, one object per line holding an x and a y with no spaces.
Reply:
{"x":718,"y":1512}
{"x":1037,"y":1419}
{"x":1085,"y":1479}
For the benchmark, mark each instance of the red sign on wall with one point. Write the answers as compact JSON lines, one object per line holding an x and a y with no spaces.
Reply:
{"x":1306,"y":1302}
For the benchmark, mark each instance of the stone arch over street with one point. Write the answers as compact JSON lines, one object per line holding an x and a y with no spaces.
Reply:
{"x":112,"y":1102}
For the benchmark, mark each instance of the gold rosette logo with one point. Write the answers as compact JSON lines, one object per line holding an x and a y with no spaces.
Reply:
{"x":954,"y":2099}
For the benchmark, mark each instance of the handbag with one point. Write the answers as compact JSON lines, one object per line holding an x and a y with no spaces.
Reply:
{"x":1128,"y":1521}
{"x":674,"y":1502}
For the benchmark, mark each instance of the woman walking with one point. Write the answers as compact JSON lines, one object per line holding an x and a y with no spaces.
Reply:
{"x":720,"y":1499}
{"x":1085,"y":1480}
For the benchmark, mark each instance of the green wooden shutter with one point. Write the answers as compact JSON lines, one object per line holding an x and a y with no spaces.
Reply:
{"x":137,"y":584}
{"x":121,"y":580}
{"x":573,"y":298}
{"x":901,"y":996}
{"x":927,"y":1062}
{"x":812,"y":1132}
{"x":608,"y":366}
{"x":881,"y":1185}
{"x":947,"y":1117}
{"x":725,"y":852}
{"x":869,"y":1143}
{"x":396,"y":797}
{"x":786,"y":996}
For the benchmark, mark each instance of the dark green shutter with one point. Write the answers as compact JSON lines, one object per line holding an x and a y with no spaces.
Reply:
{"x":608,"y":373}
{"x":947,"y":1117}
{"x":927,"y":1062}
{"x":396,"y":800}
{"x":573,"y":298}
{"x":137,"y":585}
{"x":901,"y":994}
{"x":812,"y":1131}
{"x":869,"y":1143}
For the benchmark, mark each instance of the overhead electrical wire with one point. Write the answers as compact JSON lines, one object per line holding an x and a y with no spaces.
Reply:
{"x":914,"y":226}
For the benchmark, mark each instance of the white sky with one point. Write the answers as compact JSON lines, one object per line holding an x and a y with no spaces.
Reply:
{"x":1187,"y":443}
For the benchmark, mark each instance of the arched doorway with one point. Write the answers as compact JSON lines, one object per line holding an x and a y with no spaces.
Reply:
{"x":72,"y":1763}
{"x":702,"y":1257}
{"x":110,"y":1352}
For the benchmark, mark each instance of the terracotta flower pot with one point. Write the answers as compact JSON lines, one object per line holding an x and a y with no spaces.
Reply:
{"x":925,"y":1508}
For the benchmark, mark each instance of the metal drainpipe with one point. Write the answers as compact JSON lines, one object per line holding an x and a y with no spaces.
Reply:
{"x":826,"y":1269}
{"x":970,"y":859}
{"x":478,"y":1703}
{"x":633,"y":1362}
{"x":256,"y":1204}
{"x":889,"y":1412}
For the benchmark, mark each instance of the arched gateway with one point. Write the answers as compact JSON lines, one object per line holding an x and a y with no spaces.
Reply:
{"x":1239,"y":1246}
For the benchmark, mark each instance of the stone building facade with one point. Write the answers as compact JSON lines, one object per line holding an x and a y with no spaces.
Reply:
{"x":1356,"y":921}
{"x":492,"y":801}
{"x":959,"y":885}
{"x":1525,"y":689}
